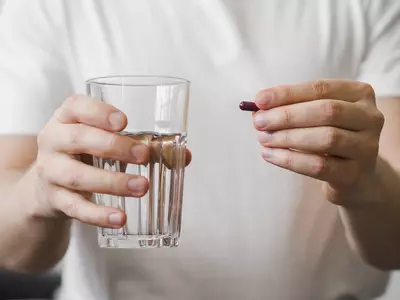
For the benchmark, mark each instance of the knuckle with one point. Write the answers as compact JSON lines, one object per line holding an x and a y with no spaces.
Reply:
{"x":286,"y":137}
{"x":111,"y":144}
{"x":288,"y":93}
{"x":320,"y":167}
{"x":71,"y":209}
{"x":72,"y":178}
{"x":40,"y":169}
{"x":288,"y":161}
{"x":320,"y":88}
{"x":73,"y":181}
{"x":368,"y":90}
{"x":75,"y":134}
{"x":62,"y":114}
{"x":331,"y":139}
{"x":379,"y":119}
{"x":287,"y":116}
{"x":331,"y":110}
{"x":71,"y":101}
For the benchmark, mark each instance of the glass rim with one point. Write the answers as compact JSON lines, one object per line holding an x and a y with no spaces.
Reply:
{"x":169,"y":80}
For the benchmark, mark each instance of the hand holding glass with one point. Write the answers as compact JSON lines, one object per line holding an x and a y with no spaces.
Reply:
{"x":156,"y":108}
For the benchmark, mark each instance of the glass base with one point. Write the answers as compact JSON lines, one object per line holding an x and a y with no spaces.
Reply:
{"x":138,"y":241}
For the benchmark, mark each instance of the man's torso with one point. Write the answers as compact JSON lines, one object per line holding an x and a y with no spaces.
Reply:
{"x":250,"y":230}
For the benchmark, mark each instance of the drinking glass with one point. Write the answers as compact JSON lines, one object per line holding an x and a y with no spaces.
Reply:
{"x":157,"y":111}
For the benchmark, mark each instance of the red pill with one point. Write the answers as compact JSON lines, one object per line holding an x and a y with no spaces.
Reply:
{"x":248,"y":106}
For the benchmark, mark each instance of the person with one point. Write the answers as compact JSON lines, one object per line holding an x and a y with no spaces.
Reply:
{"x":316,"y":215}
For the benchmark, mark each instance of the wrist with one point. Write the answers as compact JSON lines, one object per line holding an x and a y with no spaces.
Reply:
{"x":363,"y":194}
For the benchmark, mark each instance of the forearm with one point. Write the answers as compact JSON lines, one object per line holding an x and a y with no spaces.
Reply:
{"x":373,"y":227}
{"x":29,"y":243}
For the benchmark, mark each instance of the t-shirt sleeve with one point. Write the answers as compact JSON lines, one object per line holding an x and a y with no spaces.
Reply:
{"x":34,"y":78}
{"x":381,"y":64}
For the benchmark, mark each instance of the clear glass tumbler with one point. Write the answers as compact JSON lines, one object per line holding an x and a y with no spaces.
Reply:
{"x":157,"y":109}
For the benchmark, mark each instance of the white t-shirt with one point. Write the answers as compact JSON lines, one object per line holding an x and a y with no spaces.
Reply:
{"x":250,"y":230}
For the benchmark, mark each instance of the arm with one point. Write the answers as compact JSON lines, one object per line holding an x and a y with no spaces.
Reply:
{"x":374,"y":229}
{"x":42,"y":186}
{"x":27,"y":99}
{"x":364,"y":183}
{"x":28,"y":244}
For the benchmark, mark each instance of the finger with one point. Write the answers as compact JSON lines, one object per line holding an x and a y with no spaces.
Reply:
{"x":188,"y":157}
{"x":80,"y":138}
{"x":171,"y":156}
{"x":75,"y":175}
{"x":316,"y":113}
{"x":327,"y":168}
{"x":345,"y":90}
{"x":83,"y":109}
{"x":327,"y":140}
{"x":77,"y":207}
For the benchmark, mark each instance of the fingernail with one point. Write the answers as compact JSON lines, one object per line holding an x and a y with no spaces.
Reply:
{"x":140,"y":153}
{"x":136,"y":184}
{"x":116,"y":120}
{"x":264,"y":98}
{"x":264,"y":137}
{"x":116,"y":219}
{"x":267,"y":153}
{"x":259,"y":120}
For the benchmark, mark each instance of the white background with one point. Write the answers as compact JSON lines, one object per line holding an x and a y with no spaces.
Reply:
{"x":393,"y":292}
